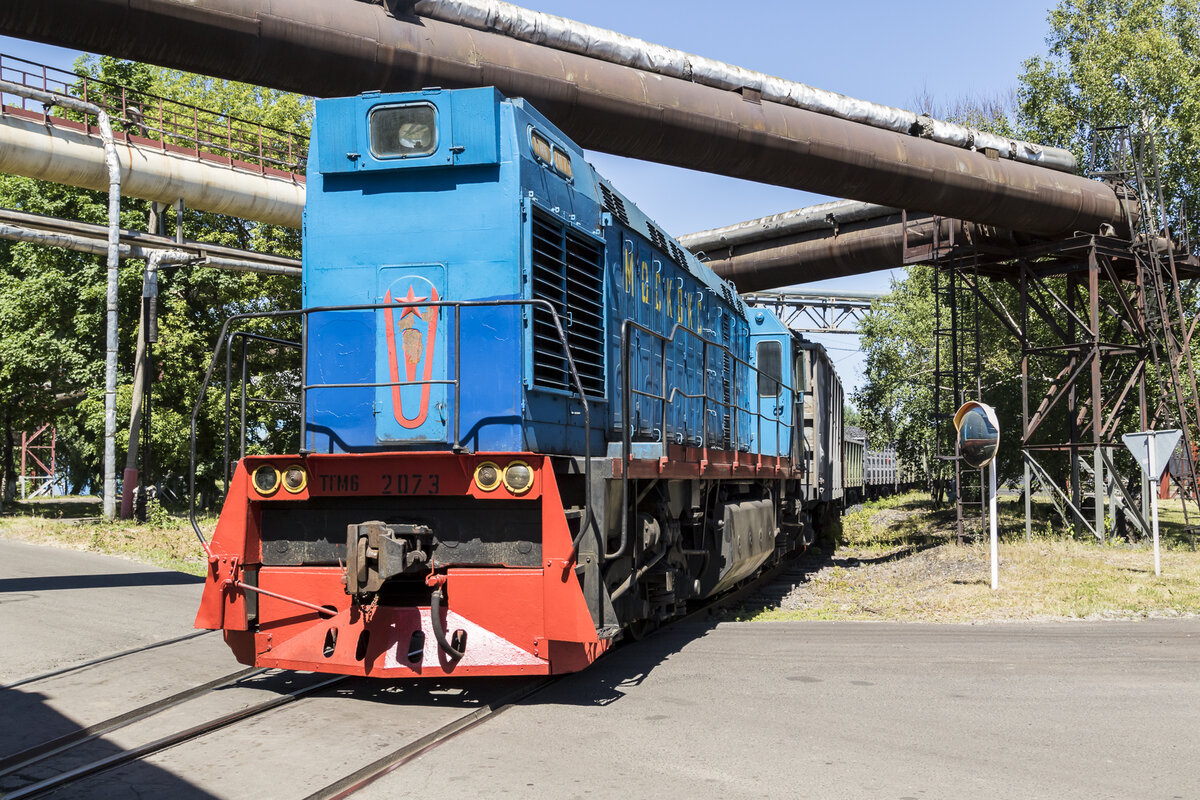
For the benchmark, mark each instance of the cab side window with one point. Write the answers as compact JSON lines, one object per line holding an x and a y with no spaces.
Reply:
{"x":770,"y":369}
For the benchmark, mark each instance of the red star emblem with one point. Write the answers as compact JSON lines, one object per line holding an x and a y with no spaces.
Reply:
{"x":411,"y":298}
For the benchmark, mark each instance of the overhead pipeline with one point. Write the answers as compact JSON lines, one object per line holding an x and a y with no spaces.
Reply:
{"x":817,"y":253}
{"x":595,"y":42}
{"x":339,"y":47}
{"x":70,"y":157}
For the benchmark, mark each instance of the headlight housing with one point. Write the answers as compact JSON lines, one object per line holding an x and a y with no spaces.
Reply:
{"x":265,"y":479}
{"x":518,"y":477}
{"x":487,"y":476}
{"x":295,"y":479}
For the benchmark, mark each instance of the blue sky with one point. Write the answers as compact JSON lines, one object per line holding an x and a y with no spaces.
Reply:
{"x":886,"y":52}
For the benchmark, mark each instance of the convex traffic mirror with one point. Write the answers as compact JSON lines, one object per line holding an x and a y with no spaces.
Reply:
{"x":978,"y":433}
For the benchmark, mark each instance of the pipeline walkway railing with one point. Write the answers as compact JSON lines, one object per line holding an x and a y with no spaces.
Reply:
{"x":149,"y":119}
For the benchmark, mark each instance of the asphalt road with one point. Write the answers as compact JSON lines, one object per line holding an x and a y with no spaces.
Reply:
{"x":850,"y":710}
{"x":59,"y":607}
{"x":730,"y":710}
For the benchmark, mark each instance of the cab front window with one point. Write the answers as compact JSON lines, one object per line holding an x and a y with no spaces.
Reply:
{"x":404,"y":131}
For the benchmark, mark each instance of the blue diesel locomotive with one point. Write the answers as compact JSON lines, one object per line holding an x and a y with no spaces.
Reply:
{"x":530,"y":422}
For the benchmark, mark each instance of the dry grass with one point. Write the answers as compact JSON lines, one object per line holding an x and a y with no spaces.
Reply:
{"x":166,"y":541}
{"x":899,"y":560}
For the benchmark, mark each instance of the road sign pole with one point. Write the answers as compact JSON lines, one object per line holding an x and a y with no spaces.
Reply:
{"x":993,"y":506}
{"x":1154,"y":509}
{"x":1148,"y":452}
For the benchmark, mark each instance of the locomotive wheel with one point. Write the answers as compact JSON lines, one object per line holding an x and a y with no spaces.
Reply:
{"x":639,"y":629}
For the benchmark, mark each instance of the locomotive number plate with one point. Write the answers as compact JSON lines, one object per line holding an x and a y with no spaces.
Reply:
{"x":409,"y":483}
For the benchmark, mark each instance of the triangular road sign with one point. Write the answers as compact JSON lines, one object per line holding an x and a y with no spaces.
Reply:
{"x":1164,"y":446}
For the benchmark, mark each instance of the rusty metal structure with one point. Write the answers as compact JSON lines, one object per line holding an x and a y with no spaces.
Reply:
{"x":1105,"y":348}
{"x":39,"y":463}
{"x":834,"y":240}
{"x":1104,"y":332}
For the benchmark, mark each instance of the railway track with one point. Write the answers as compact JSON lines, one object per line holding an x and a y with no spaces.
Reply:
{"x":73,"y":764}
{"x":133,"y":651}
{"x":398,"y":758}
{"x":76,"y":774}
{"x":32,"y":755}
{"x":758,"y":589}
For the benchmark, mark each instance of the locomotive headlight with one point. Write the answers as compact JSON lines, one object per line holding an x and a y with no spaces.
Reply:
{"x":487,"y":476}
{"x":518,"y":477}
{"x":295,"y":479}
{"x":266,"y":479}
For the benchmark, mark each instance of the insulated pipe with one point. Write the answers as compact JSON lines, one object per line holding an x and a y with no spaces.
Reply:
{"x":860,"y":247}
{"x":70,"y":157}
{"x":85,"y":244}
{"x":139,"y":244}
{"x":617,"y":48}
{"x":113,"y":262}
{"x":825,"y":216}
{"x":341,"y":47}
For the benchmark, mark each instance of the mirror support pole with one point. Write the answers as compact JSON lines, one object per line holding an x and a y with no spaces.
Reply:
{"x":993,"y":507}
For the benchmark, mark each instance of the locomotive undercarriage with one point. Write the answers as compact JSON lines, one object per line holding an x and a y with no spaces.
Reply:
{"x":687,"y":540}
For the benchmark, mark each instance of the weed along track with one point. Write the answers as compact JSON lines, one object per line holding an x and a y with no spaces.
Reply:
{"x":898,"y":560}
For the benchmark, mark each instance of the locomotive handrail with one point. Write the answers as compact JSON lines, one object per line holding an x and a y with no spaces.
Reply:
{"x":669,"y":399}
{"x":627,"y":391}
{"x":304,"y":313}
{"x":245,"y":336}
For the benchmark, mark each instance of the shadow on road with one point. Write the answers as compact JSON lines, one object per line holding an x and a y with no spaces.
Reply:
{"x":114,"y":580}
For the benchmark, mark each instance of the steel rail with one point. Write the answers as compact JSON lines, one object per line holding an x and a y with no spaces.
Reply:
{"x":61,"y":744}
{"x":102,"y":659}
{"x":398,"y":758}
{"x":83,"y":771}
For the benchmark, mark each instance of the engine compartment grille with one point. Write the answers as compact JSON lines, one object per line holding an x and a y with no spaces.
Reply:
{"x":567,"y":271}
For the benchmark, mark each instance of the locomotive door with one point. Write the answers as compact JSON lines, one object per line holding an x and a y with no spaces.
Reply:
{"x":410,"y":354}
{"x":773,"y":409}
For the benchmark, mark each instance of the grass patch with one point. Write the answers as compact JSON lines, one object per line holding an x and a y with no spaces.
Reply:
{"x":899,"y":560}
{"x":165,"y":541}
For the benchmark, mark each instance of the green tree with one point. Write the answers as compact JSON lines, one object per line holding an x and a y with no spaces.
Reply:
{"x":1115,"y":63}
{"x":898,"y":400}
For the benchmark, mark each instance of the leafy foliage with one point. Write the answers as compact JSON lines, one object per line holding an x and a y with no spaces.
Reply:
{"x":52,"y":303}
{"x":896,"y":402}
{"x":1122,"y":62}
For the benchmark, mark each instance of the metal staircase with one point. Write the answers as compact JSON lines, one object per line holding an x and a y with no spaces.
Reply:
{"x":957,"y":374}
{"x":1129,"y":160}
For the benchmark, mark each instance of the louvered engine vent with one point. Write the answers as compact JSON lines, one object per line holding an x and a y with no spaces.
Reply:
{"x":568,"y":272}
{"x":614,"y":203}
